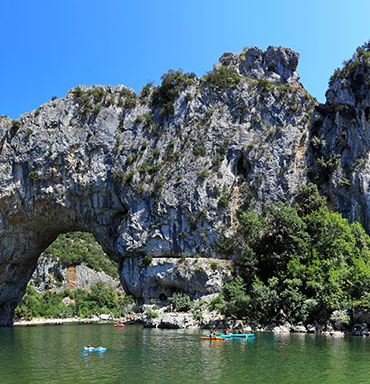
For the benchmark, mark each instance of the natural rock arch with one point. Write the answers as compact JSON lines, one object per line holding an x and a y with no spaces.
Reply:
{"x":145,"y":178}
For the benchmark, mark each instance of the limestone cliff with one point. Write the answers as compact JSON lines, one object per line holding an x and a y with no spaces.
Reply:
{"x":340,"y":139}
{"x":153,"y":175}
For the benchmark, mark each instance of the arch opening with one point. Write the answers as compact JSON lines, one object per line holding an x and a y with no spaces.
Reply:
{"x":74,"y":277}
{"x":30,"y":226}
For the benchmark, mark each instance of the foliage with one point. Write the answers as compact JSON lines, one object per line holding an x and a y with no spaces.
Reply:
{"x":34,"y":176}
{"x":265,"y":85}
{"x":214,"y":266}
{"x":360,"y":58}
{"x":223,"y":201}
{"x":76,"y":248}
{"x":199,"y":150}
{"x":181,"y":302}
{"x":296,"y":263}
{"x":146,"y":260}
{"x":222,"y":78}
{"x":145,"y":91}
{"x":204,"y":173}
{"x":308,"y":199}
{"x":172,"y":83}
{"x":233,"y":301}
{"x":16,"y":124}
{"x":100,"y":300}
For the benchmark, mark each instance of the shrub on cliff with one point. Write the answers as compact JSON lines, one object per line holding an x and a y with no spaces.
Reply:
{"x":222,"y":78}
{"x":360,"y":58}
{"x":181,"y":302}
{"x":172,"y":83}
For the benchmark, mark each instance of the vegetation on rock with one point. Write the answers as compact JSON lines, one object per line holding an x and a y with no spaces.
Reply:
{"x":360,"y":58}
{"x":172,"y":83}
{"x":222,"y":78}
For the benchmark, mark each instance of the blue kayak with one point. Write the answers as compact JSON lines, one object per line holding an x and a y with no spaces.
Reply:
{"x":237,"y":335}
{"x":86,"y":349}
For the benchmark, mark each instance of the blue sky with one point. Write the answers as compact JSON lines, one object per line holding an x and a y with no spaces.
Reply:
{"x":48,"y":47}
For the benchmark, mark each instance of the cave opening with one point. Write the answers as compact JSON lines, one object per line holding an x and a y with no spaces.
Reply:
{"x":243,"y":166}
{"x":162,"y":297}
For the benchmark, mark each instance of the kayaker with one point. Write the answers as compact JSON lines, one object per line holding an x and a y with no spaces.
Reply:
{"x":214,"y":332}
{"x":90,"y":347}
{"x":228,"y":331}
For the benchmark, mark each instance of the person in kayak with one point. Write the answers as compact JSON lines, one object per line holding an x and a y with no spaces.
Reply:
{"x":214,"y":332}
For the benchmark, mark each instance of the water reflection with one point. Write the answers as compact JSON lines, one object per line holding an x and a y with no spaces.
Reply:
{"x":138,"y":355}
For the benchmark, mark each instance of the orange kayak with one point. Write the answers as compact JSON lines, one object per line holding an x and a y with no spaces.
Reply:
{"x":212,"y":338}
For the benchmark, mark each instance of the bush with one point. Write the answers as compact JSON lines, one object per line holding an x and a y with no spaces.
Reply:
{"x":223,"y":202}
{"x":235,"y":300}
{"x":204,"y":174}
{"x":181,"y":302}
{"x":265,"y":85}
{"x":199,"y":150}
{"x":214,"y":266}
{"x":145,"y":91}
{"x":222,"y":78}
{"x":172,"y":83}
{"x":16,"y":124}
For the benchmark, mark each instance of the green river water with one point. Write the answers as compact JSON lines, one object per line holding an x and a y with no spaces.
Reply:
{"x":53,"y":354}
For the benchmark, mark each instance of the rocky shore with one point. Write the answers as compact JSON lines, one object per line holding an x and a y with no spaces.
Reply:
{"x":176,"y":320}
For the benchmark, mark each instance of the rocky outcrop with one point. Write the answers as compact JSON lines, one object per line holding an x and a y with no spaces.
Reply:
{"x":164,"y":276}
{"x":278,"y":65}
{"x":158,"y":175}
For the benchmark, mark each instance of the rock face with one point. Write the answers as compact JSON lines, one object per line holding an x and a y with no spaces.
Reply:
{"x":340,"y":140}
{"x":162,"y":172}
{"x":164,"y":276}
{"x":50,"y":275}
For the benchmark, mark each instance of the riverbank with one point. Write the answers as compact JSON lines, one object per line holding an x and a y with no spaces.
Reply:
{"x":163,"y":318}
{"x":42,"y":321}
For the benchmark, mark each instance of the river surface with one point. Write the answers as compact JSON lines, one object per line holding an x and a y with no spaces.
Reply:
{"x":53,"y":354}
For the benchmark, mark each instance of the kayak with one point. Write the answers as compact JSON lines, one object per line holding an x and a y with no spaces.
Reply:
{"x":120,"y":325}
{"x":237,"y":335}
{"x":86,"y":349}
{"x":207,"y":337}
